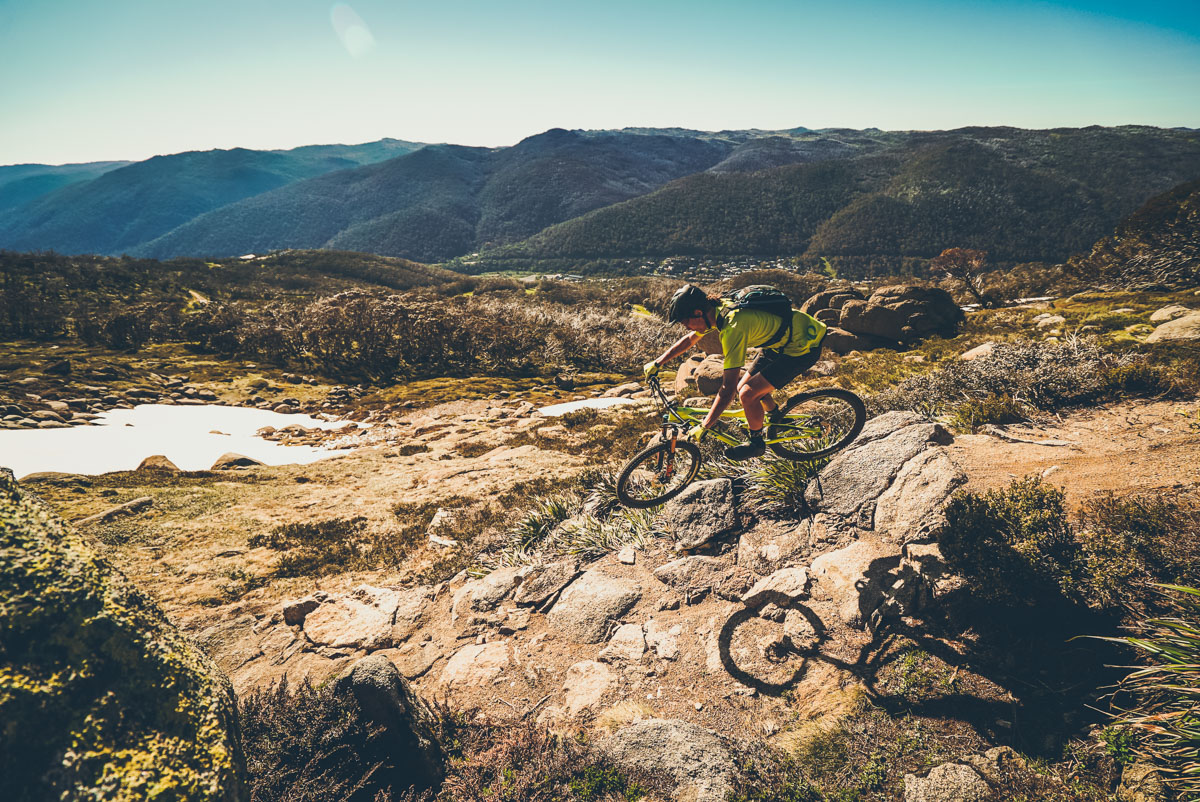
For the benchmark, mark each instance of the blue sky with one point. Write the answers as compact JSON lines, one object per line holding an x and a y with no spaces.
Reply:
{"x":85,"y":80}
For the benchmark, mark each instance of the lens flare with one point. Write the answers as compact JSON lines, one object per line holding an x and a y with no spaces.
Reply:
{"x":351,"y":30}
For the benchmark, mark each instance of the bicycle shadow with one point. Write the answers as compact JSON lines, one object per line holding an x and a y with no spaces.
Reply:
{"x":1024,"y":705}
{"x":754,"y":610}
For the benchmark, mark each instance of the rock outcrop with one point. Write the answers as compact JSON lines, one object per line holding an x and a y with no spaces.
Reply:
{"x":413,"y":726}
{"x":102,"y":697}
{"x":894,"y":315}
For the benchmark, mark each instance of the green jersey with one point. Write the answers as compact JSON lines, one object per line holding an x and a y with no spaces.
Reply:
{"x":750,"y":328}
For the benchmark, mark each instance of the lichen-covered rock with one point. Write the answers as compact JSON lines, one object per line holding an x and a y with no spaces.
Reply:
{"x":949,"y":782}
{"x":101,"y":697}
{"x":700,"y":764}
{"x":701,"y":512}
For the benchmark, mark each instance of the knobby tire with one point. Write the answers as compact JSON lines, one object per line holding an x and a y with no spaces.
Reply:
{"x":684,"y":464}
{"x":852,"y":407}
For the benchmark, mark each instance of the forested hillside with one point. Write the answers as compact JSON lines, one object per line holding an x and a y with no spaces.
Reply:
{"x":1020,"y":195}
{"x":117,"y":210}
{"x":1156,"y":247}
{"x":22,"y":183}
{"x":447,"y":200}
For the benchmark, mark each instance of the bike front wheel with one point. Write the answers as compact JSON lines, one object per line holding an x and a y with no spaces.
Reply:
{"x":658,"y":474}
{"x":817,"y":423}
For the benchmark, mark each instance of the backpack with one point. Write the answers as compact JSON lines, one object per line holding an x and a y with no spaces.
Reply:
{"x":768,"y":299}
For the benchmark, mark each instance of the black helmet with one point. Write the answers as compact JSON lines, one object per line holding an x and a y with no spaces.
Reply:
{"x":684,"y":303}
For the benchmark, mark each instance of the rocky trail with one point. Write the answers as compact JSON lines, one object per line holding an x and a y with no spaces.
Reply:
{"x":771,"y":629}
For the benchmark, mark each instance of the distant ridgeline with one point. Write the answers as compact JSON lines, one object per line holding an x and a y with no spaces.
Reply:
{"x":869,"y":201}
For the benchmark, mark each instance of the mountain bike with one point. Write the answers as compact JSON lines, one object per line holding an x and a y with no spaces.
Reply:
{"x":810,"y":425}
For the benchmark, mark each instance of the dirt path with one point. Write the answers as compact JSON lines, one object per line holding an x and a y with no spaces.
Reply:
{"x":1128,"y":447}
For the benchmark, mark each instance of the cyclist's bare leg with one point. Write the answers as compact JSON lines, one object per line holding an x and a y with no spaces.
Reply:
{"x":755,"y":395}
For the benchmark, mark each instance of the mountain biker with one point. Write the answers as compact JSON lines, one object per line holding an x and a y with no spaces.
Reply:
{"x":741,"y":329}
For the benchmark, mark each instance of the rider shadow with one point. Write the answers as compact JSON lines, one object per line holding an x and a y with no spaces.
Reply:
{"x":753,"y":610}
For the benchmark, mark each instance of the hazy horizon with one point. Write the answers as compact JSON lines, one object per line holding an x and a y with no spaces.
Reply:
{"x":132,"y":79}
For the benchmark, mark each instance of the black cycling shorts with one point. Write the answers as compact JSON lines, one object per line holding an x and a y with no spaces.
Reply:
{"x":779,"y":369}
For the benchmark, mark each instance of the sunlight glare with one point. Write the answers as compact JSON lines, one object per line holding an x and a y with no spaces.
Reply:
{"x":351,"y":30}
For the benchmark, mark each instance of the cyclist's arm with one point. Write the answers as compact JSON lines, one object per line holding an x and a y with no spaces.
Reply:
{"x":725,"y":396}
{"x":681,"y":346}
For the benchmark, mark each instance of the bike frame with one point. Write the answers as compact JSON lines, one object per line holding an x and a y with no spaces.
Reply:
{"x":686,"y":417}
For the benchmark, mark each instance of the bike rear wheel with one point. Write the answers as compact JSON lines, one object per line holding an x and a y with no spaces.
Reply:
{"x":817,"y":423}
{"x":657,"y":474}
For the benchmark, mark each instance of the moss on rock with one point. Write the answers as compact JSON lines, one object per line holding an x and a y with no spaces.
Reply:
{"x":101,"y":697}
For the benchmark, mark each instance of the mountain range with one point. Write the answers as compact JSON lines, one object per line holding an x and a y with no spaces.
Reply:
{"x":860,"y":197}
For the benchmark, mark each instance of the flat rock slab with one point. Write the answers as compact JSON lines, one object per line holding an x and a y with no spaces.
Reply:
{"x":475,"y":665}
{"x":588,"y":608}
{"x":1186,"y":327}
{"x":949,"y":782}
{"x":128,"y":508}
{"x":696,"y":759}
{"x":412,"y":611}
{"x":543,"y":581}
{"x":361,"y":620}
{"x":701,"y":513}
{"x":856,"y":577}
{"x":767,"y":545}
{"x":790,"y":582}
{"x":484,"y":595}
{"x":627,"y":643}
{"x":414,"y":660}
{"x":585,"y":684}
{"x":694,"y":573}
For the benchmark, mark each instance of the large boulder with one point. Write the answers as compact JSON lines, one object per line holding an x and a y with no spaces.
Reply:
{"x":1181,"y":328}
{"x":414,"y":728}
{"x":851,"y":484}
{"x":699,"y":763}
{"x":843,"y":342}
{"x":912,"y":508}
{"x":701,"y":513}
{"x":700,"y":376}
{"x":831,"y":299}
{"x":101,"y":696}
{"x":591,"y":605}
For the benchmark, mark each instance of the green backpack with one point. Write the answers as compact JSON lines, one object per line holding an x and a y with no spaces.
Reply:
{"x":768,"y":299}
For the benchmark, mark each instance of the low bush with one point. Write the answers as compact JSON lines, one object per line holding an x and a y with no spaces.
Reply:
{"x":315,"y":548}
{"x":1132,"y":542}
{"x":969,"y":416}
{"x":1014,"y":545}
{"x":306,"y":744}
{"x":1034,"y":376}
{"x":522,"y":762}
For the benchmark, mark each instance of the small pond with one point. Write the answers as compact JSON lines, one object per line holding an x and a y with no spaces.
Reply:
{"x":192,"y":437}
{"x":555,"y":410}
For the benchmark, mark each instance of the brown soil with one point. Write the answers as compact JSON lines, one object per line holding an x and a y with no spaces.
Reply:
{"x":1127,"y":447}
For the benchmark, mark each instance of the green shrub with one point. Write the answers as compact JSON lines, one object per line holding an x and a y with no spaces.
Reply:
{"x":1015,"y":544}
{"x":994,"y":409}
{"x":315,"y":548}
{"x":1130,"y":543}
{"x":1042,"y":376}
